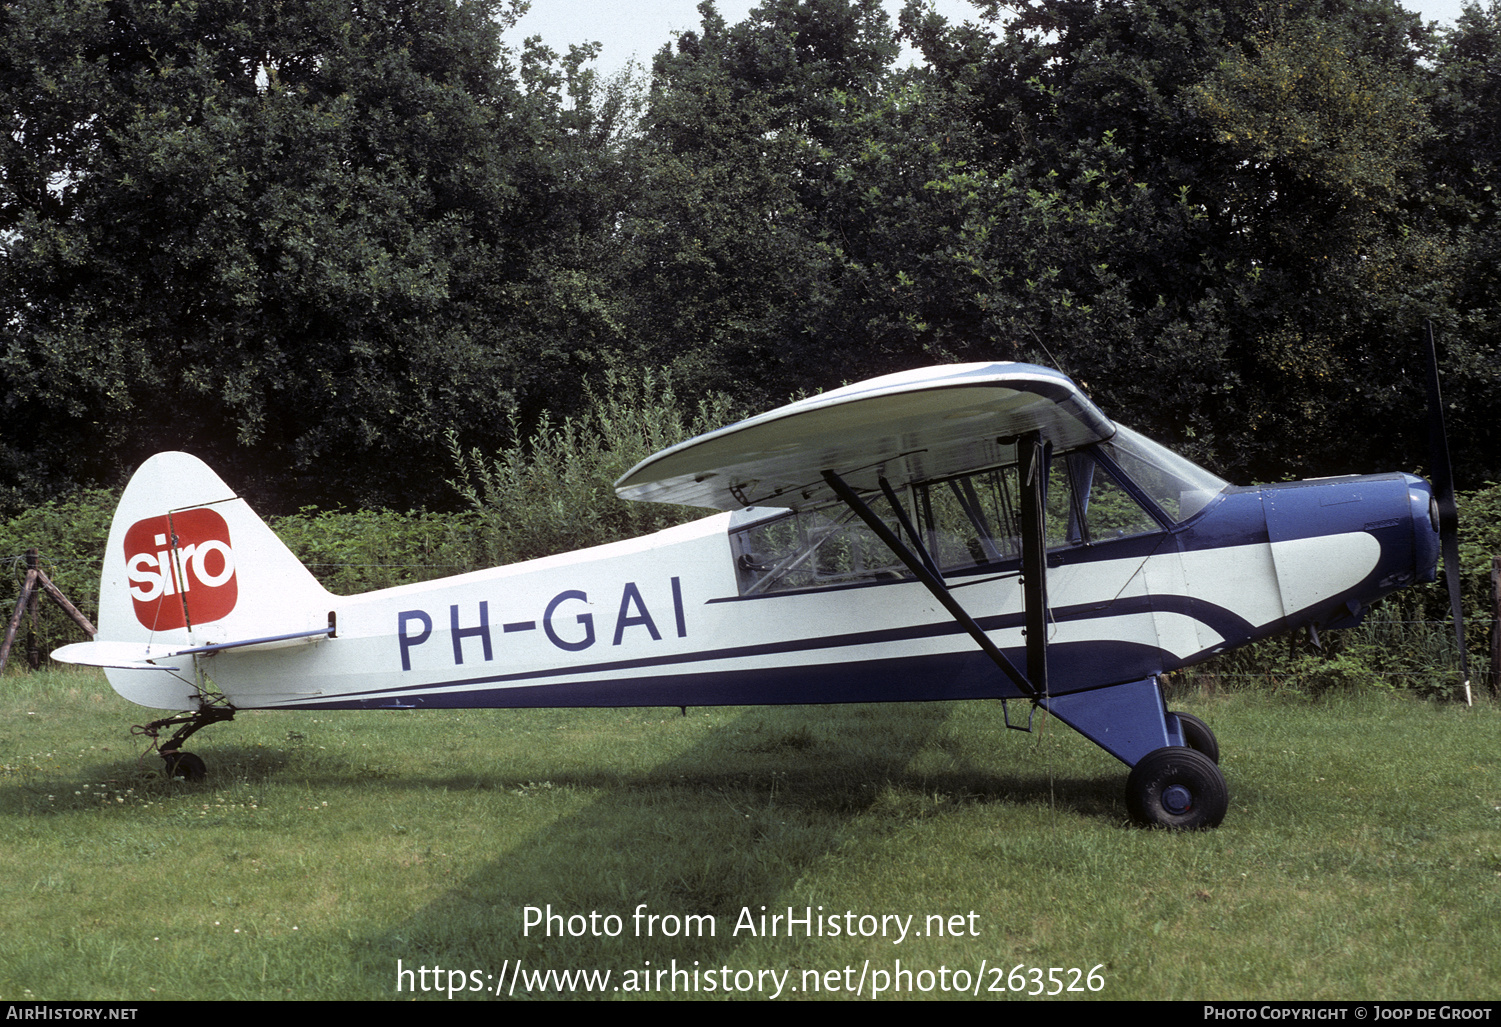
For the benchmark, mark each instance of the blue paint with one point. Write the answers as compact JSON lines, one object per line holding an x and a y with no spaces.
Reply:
{"x":406,"y":641}
{"x":1127,"y":721}
{"x":586,"y":619}
{"x":677,"y":608}
{"x":631,"y":595}
{"x":459,"y":634}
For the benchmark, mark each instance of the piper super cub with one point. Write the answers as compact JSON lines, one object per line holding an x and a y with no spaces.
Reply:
{"x":975,"y":531}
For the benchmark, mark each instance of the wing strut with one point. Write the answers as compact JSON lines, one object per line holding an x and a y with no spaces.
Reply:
{"x":1033,"y":472}
{"x":919,"y":566}
{"x":901,"y":516}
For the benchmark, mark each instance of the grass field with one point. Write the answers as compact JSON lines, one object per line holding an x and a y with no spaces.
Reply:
{"x":1359,"y":859}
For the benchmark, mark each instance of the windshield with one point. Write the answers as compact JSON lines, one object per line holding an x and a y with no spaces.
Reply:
{"x":1179,"y":487}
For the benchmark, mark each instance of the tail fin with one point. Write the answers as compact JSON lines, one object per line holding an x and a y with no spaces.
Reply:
{"x":189,"y":564}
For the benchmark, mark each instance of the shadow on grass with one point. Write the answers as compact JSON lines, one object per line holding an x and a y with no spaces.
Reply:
{"x":743,"y":812}
{"x":58,"y":789}
{"x":729,"y":825}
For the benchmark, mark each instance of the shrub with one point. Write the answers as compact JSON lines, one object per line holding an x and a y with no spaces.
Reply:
{"x":554,"y":494}
{"x":351,"y":552}
{"x":69,"y":535}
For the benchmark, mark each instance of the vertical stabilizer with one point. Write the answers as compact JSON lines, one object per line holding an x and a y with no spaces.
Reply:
{"x":190,"y":564}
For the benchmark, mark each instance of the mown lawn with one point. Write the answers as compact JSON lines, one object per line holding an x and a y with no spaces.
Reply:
{"x":1360,"y":857}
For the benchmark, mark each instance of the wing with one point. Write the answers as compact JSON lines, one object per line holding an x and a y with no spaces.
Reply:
{"x":913,"y":426}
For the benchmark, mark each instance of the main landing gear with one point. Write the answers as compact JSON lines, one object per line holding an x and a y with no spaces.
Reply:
{"x":176,"y":763}
{"x":1197,"y":736}
{"x":1177,"y":787}
{"x":1180,"y":787}
{"x":1175,"y":780}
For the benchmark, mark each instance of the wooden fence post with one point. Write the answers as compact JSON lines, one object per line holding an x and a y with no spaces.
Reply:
{"x":37,"y":582}
{"x":28,"y":598}
{"x":1495,"y":625}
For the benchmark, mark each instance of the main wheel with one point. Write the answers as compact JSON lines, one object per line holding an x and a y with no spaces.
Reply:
{"x":185,"y":765}
{"x":1197,"y":736}
{"x":1177,"y":788}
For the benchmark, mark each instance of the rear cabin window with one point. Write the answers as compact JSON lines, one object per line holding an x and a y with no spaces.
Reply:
{"x":817,"y":548}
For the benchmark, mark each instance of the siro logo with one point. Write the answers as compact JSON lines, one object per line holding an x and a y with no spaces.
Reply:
{"x":197,"y":572}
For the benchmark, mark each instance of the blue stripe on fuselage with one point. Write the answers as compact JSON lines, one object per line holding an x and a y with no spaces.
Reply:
{"x":948,"y":676}
{"x":1075,"y":666}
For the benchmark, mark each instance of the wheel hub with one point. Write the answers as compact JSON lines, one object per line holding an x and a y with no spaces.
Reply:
{"x":1177,"y":800}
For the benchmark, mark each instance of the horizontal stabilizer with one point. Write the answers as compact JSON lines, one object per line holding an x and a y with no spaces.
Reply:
{"x":268,"y":642}
{"x":115,"y":655}
{"x":139,"y":655}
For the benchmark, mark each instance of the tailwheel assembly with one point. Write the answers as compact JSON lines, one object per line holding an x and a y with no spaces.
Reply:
{"x":185,"y":765}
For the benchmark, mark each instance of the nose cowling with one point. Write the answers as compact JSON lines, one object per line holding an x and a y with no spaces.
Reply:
{"x":1340,"y":544}
{"x":1423,"y":508}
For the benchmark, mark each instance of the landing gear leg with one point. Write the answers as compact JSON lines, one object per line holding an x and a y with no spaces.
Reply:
{"x":178,"y":763}
{"x":1175,"y":781}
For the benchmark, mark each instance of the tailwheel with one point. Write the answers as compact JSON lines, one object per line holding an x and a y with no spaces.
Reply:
{"x":1177,"y":788}
{"x":186,"y":765}
{"x":177,"y":763}
{"x":1197,"y":736}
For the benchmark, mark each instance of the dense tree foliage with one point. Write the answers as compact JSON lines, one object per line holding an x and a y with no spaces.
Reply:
{"x":306,"y":240}
{"x":298,"y":238}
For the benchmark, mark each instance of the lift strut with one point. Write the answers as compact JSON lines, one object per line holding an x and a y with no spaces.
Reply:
{"x":1034,"y":456}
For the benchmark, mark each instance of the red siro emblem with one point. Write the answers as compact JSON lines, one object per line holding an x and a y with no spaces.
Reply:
{"x":195,"y":571}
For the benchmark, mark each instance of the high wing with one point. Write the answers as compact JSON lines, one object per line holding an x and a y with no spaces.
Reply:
{"x":909,"y":427}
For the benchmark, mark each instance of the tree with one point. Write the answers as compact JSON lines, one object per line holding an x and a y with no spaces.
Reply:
{"x":1464,"y":201}
{"x":1269,"y":257}
{"x":294,"y":238}
{"x":724,"y":258}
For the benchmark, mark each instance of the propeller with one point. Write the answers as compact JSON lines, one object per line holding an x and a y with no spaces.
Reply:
{"x":1448,"y":510}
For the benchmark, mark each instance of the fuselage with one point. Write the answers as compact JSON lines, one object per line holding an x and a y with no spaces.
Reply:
{"x":965,"y":531}
{"x":666,"y":619}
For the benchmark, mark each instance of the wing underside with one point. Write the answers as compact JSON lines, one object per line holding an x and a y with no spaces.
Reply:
{"x":909,"y":427}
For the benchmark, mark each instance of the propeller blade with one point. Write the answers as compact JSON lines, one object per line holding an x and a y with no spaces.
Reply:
{"x":1448,"y":509}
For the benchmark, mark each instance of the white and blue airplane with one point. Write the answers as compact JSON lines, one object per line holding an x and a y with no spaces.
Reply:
{"x":977,"y":531}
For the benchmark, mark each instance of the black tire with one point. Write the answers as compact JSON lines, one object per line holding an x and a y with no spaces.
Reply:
{"x":1177,"y":788}
{"x":1197,"y":736}
{"x":185,"y":765}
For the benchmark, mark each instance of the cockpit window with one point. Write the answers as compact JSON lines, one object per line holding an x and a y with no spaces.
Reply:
{"x":1179,"y":487}
{"x":1087,"y":505}
{"x":973,"y":522}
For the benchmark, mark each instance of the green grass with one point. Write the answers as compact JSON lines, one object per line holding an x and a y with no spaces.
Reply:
{"x":1359,"y":859}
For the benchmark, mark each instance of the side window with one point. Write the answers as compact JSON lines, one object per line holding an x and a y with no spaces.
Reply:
{"x":813,"y":549}
{"x":970,"y":521}
{"x":1086,"y":504}
{"x":975,"y":521}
